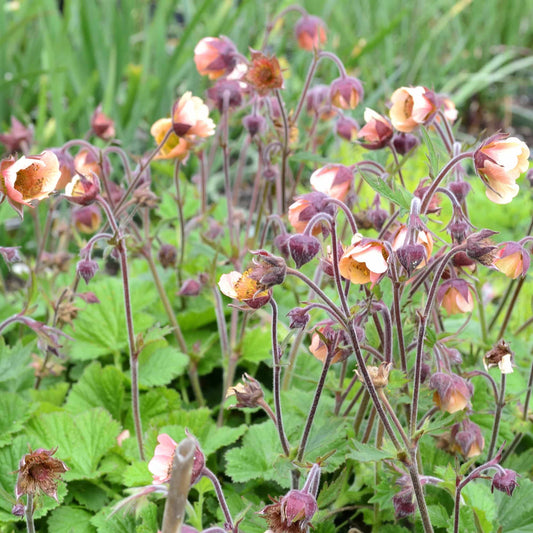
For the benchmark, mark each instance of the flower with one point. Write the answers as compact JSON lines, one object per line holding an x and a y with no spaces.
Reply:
{"x":87,"y":219}
{"x":310,"y":32}
{"x":190,"y":118}
{"x":39,"y":471}
{"x":512,"y":259}
{"x":412,"y":106}
{"x":18,"y":138}
{"x":102,"y":125}
{"x":254,"y":124}
{"x":499,"y":161}
{"x":306,"y":207}
{"x":449,"y":110}
{"x":365,"y":260}
{"x":501,"y":356}
{"x":215,"y":57}
{"x":379,"y":375}
{"x":161,"y":463}
{"x":326,"y":338}
{"x":264,"y":73}
{"x":175,"y":147}
{"x":303,"y":248}
{"x":377,"y":131}
{"x":317,"y":102}
{"x":29,"y":179}
{"x":466,"y":438}
{"x":225,"y":94}
{"x":346,"y":92}
{"x":67,"y":167}
{"x":405,"y":142}
{"x":423,"y":238}
{"x":248,"y":393}
{"x":244,"y":288}
{"x":347,"y":128}
{"x":333,"y":180}
{"x":452,"y":392}
{"x":83,"y":190}
{"x":455,"y":296}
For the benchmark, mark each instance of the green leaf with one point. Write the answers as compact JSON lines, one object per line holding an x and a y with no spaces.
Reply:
{"x":439,"y":516}
{"x":120,"y":522}
{"x":255,"y":459}
{"x":137,"y":475}
{"x":160,"y":363}
{"x":100,"y":329}
{"x":15,"y":411}
{"x":70,"y":520}
{"x":331,"y":491}
{"x":88,"y":494}
{"x":367,"y":453}
{"x":398,"y":196}
{"x":432,"y":156}
{"x":82,"y":439}
{"x":15,"y":372}
{"x":257,"y":345}
{"x":54,"y":395}
{"x":479,"y":498}
{"x":98,"y":387}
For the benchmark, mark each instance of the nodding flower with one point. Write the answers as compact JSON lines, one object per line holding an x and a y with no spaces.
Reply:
{"x":411,"y":107}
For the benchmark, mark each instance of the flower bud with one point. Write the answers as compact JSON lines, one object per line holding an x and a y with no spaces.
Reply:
{"x":299,"y":318}
{"x":167,"y":255}
{"x":87,"y":268}
{"x":317,"y":102}
{"x":377,"y":217}
{"x":326,"y":338}
{"x":303,"y":248}
{"x":346,"y":92}
{"x":466,"y":438}
{"x":87,"y":219}
{"x":83,"y":190}
{"x":405,"y":142}
{"x":458,"y":230}
{"x":347,"y":128}
{"x":254,"y":124}
{"x":455,"y":296}
{"x":504,"y":481}
{"x":410,"y":256}
{"x":215,"y":57}
{"x":268,"y":269}
{"x":281,"y":242}
{"x":460,"y":189}
{"x":18,"y":138}
{"x":403,"y":503}
{"x":102,"y":125}
{"x":377,"y":132}
{"x":190,"y":287}
{"x":10,"y":254}
{"x":480,"y":247}
{"x":310,"y":31}
{"x":452,"y":392}
{"x":306,"y":207}
{"x":18,"y":510}
{"x":225,"y":92}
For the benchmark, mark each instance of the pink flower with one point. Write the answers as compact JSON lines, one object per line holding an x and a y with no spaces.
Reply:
{"x":412,"y":106}
{"x":333,"y":180}
{"x":455,"y":296}
{"x":215,"y":57}
{"x":377,"y":131}
{"x":365,"y":260}
{"x":452,"y":392}
{"x":310,"y":32}
{"x":512,"y":259}
{"x":346,"y":92}
{"x":305,"y":207}
{"x":190,"y":117}
{"x":29,"y":179}
{"x":102,"y":125}
{"x":161,"y":463}
{"x":18,"y":138}
{"x":499,"y":161}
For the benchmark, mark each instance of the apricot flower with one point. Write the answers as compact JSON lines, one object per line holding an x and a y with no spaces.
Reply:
{"x":452,"y":392}
{"x":215,"y":57}
{"x":175,"y":147}
{"x":412,"y":106}
{"x":455,"y":296}
{"x":365,"y":260}
{"x":377,"y":131}
{"x":499,"y":161}
{"x":333,"y":180}
{"x":512,"y":259}
{"x":29,"y":179}
{"x":190,"y":117}
{"x":310,"y":32}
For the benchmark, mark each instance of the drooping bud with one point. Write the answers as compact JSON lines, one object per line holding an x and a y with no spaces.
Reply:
{"x":467,"y":439}
{"x":347,"y":128}
{"x":346,"y":92}
{"x":412,"y":106}
{"x":460,"y":189}
{"x":167,"y":255}
{"x":10,"y":254}
{"x":87,"y":268}
{"x":299,"y":318}
{"x":281,"y":242}
{"x":18,"y":138}
{"x":83,"y":190}
{"x":405,"y":142}
{"x":326,"y":339}
{"x":102,"y":125}
{"x":310,"y":31}
{"x":254,"y":124}
{"x":303,"y":248}
{"x":87,"y":219}
{"x":306,"y":207}
{"x":18,"y":510}
{"x":225,"y":92}
{"x":410,"y":256}
{"x":458,"y":230}
{"x":512,"y":259}
{"x":317,"y":102}
{"x":452,"y":392}
{"x":455,"y":295}
{"x":504,"y":481}
{"x":190,"y":287}
{"x":215,"y":57}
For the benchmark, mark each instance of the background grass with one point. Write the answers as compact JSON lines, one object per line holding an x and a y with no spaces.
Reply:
{"x":135,"y":56}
